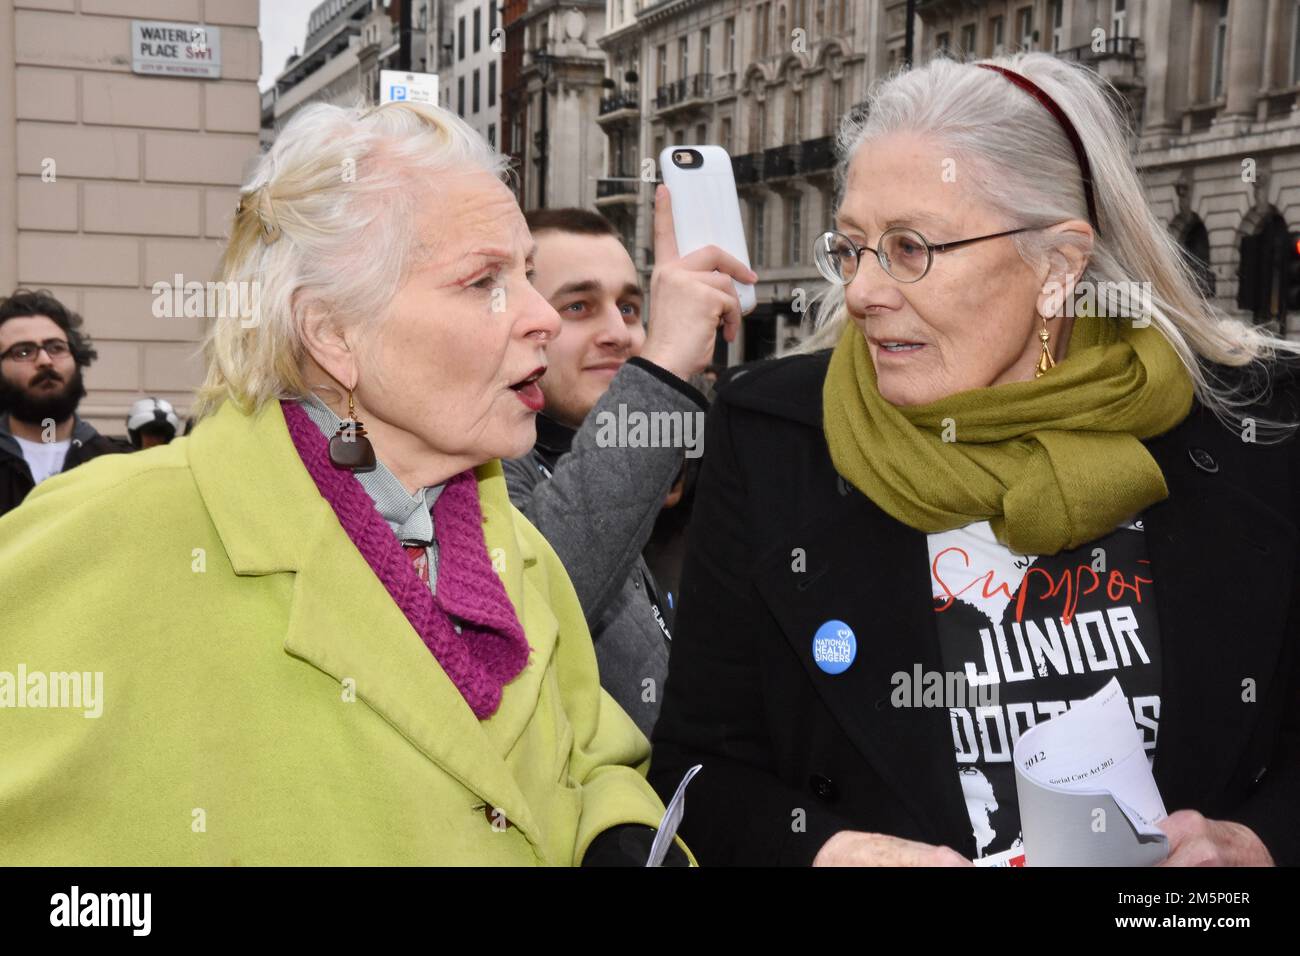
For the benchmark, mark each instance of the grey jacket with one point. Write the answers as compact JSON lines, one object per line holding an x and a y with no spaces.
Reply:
{"x":594,"y":494}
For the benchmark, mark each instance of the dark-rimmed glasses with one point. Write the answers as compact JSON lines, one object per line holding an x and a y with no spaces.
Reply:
{"x":27,"y":351}
{"x":904,"y":253}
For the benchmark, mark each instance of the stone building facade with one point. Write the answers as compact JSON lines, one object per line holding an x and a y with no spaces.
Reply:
{"x":768,"y":80}
{"x":348,"y":43}
{"x":552,"y":70}
{"x":470,"y":81}
{"x":112,"y":181}
{"x":1214,"y":90}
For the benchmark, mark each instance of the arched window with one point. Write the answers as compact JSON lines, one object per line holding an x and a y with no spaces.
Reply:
{"x":1261,"y":271}
{"x":755,"y":116}
{"x":1197,"y":242}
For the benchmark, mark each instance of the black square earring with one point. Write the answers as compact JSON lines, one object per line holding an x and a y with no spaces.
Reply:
{"x":350,"y":448}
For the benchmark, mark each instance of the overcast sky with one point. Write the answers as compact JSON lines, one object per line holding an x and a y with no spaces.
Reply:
{"x":283,"y":28}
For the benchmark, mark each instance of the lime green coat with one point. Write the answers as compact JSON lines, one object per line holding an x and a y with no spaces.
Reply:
{"x":264,"y":700}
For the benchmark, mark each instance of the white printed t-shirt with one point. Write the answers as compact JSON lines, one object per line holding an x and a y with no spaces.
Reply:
{"x":1042,"y":632}
{"x":43,"y":458}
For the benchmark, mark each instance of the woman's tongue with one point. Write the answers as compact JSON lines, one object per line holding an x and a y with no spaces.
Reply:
{"x":531,"y":395}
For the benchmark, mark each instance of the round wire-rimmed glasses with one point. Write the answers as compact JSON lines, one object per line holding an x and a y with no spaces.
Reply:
{"x":903,"y":253}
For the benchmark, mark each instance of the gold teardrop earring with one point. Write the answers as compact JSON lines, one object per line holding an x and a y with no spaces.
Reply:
{"x":1045,"y":361}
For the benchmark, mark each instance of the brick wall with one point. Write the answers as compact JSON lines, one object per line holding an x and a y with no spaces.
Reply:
{"x":110,"y":181}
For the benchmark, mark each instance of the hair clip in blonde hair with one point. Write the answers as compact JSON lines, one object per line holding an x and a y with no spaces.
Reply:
{"x":270,"y":228}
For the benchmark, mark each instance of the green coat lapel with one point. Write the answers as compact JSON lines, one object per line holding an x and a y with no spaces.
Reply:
{"x":515,"y":559}
{"x":271,"y":518}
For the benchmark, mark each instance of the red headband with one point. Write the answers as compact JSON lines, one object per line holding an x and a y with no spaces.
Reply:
{"x":1034,"y":90}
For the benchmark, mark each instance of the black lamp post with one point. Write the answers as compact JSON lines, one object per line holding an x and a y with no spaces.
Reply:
{"x":910,"y":34}
{"x":544,"y":63}
{"x":404,"y":36}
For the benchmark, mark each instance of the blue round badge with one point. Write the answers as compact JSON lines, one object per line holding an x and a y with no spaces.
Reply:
{"x":834,"y":647}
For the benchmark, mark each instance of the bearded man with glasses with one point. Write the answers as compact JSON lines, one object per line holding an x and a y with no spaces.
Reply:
{"x":42,"y":353}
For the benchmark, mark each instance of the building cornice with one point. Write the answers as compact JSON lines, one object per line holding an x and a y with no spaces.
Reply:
{"x":663,"y":10}
{"x":620,"y":36}
{"x":1186,"y":151}
{"x":546,"y":6}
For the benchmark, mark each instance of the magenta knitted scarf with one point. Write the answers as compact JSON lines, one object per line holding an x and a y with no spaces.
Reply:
{"x":491,"y":649}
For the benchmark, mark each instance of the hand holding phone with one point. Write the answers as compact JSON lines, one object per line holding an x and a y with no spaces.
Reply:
{"x":690,"y":296}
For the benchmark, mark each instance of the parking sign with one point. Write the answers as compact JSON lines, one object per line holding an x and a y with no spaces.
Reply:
{"x":398,"y":87}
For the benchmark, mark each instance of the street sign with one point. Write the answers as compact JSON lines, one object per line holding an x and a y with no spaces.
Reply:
{"x":398,"y":87}
{"x":175,"y":49}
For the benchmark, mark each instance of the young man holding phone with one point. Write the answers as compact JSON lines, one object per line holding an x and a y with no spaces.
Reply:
{"x":595,"y":500}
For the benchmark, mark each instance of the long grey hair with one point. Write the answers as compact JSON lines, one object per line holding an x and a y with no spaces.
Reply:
{"x":1015,"y":156}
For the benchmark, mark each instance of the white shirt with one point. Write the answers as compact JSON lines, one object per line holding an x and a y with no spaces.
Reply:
{"x":1043,"y":632}
{"x":43,"y":458}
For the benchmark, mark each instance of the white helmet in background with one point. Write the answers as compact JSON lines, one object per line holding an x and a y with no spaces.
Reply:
{"x":153,"y":417}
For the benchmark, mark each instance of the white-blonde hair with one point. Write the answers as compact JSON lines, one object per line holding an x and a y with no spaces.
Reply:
{"x":1014,"y":155}
{"x":331,"y":219}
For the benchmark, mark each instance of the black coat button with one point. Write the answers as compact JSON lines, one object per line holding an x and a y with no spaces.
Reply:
{"x":496,"y":817}
{"x":823,"y":787}
{"x":1203,"y":460}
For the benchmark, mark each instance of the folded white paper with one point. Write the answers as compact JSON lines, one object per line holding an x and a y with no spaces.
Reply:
{"x":671,"y":821}
{"x":1085,"y":788}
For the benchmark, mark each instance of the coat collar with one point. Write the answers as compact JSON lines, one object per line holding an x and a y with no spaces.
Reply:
{"x":554,"y":439}
{"x":410,"y":516}
{"x":271,"y":519}
{"x":1221,"y":547}
{"x":82,"y":434}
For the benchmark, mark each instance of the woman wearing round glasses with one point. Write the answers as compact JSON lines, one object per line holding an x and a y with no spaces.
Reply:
{"x":1022,"y":457}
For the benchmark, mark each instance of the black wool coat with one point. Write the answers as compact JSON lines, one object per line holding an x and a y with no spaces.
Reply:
{"x":792,"y":755}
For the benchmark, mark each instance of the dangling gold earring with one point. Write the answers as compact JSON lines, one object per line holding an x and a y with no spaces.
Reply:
{"x":1045,"y":361}
{"x":350,"y":448}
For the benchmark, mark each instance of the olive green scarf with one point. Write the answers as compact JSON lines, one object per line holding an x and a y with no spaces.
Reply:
{"x":1050,"y":463}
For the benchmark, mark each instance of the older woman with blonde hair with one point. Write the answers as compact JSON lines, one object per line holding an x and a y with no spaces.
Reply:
{"x":1034,"y":457}
{"x":313,"y":640}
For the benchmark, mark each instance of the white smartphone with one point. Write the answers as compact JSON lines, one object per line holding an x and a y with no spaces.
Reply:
{"x":706,"y":209}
